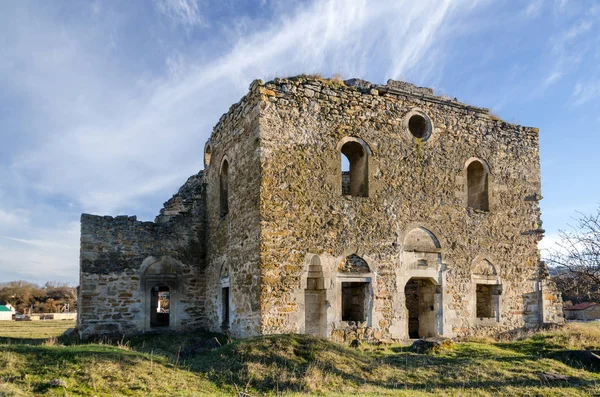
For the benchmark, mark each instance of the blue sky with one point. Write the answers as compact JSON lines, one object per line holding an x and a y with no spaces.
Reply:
{"x":105,"y":106}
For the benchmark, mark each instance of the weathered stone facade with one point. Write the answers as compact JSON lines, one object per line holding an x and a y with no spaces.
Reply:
{"x":433,"y":230}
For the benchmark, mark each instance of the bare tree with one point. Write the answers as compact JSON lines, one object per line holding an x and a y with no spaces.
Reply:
{"x":577,"y":257}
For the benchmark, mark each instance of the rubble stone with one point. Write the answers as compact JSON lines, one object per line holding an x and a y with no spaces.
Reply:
{"x":401,"y":234}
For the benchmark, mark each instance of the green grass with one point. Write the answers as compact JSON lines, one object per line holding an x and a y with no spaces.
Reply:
{"x":292,"y":365}
{"x":33,"y":329}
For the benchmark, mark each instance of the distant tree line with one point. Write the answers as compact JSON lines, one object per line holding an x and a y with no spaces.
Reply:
{"x":576,"y":260}
{"x":53,"y":297}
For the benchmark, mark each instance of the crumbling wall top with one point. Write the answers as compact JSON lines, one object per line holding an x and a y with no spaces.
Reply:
{"x":392,"y":89}
{"x":182,"y":201}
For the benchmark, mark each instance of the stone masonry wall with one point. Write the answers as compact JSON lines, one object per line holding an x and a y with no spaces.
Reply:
{"x":412,"y":184}
{"x":115,"y":252}
{"x":293,"y":238}
{"x":233,"y":240}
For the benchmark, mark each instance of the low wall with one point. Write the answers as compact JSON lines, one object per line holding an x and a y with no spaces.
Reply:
{"x":51,"y":316}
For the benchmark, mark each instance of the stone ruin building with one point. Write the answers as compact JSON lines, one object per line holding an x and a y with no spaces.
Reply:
{"x":342,"y":209}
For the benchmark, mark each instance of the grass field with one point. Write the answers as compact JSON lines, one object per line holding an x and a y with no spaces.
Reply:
{"x":32,"y":354}
{"x":34,"y":330}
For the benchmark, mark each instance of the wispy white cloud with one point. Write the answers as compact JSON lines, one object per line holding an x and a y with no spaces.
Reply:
{"x":570,"y":45}
{"x":552,"y":77}
{"x":112,"y":137}
{"x":116,"y":118}
{"x":184,"y":12}
{"x":586,"y":92}
{"x":52,"y":256}
{"x":109,"y":158}
{"x":561,"y":3}
{"x":534,"y":8}
{"x":566,"y":37}
{"x":8,"y":220}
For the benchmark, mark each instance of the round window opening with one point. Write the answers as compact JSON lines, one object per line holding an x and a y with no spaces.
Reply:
{"x":419,"y":126}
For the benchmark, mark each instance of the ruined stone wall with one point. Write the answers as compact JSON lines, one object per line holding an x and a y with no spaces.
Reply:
{"x":121,"y":257}
{"x":233,"y":239}
{"x":248,"y":256}
{"x":412,"y":184}
{"x":550,"y":297}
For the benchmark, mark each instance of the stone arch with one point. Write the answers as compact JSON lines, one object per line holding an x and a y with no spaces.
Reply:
{"x":224,"y":192}
{"x":421,"y":239}
{"x":355,"y":180}
{"x":358,"y":140}
{"x":477,"y":159}
{"x":165,"y":266}
{"x":484,"y":268}
{"x":353,"y":264}
{"x":421,"y":249}
{"x":477,"y":184}
{"x":158,"y":276}
{"x":224,"y":272}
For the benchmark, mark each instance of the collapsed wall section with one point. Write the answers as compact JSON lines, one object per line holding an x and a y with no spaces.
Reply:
{"x":126,"y":264}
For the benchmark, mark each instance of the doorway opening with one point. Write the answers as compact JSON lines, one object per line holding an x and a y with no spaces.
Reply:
{"x":354,"y":301}
{"x":160,"y":306}
{"x":420,"y":294}
{"x":225,"y":308}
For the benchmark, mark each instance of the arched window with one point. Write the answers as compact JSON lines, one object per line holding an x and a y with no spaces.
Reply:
{"x":207,"y":155}
{"x":224,"y":188}
{"x":477,"y":186}
{"x":354,"y":166}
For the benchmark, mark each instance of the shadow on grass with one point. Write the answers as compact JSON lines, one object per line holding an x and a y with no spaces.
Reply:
{"x":537,"y":345}
{"x":45,"y":364}
{"x":456,"y":366}
{"x":287,"y":360}
{"x":544,"y":346}
{"x":280,"y":362}
{"x":295,"y":363}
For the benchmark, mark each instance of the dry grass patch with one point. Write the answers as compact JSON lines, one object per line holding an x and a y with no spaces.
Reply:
{"x":42,"y":329}
{"x":295,"y":365}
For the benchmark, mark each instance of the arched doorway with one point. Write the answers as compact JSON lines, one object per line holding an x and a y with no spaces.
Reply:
{"x":314,"y":300}
{"x":160,"y":282}
{"x":422,"y":264}
{"x":421,"y":307}
{"x":160,"y":306}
